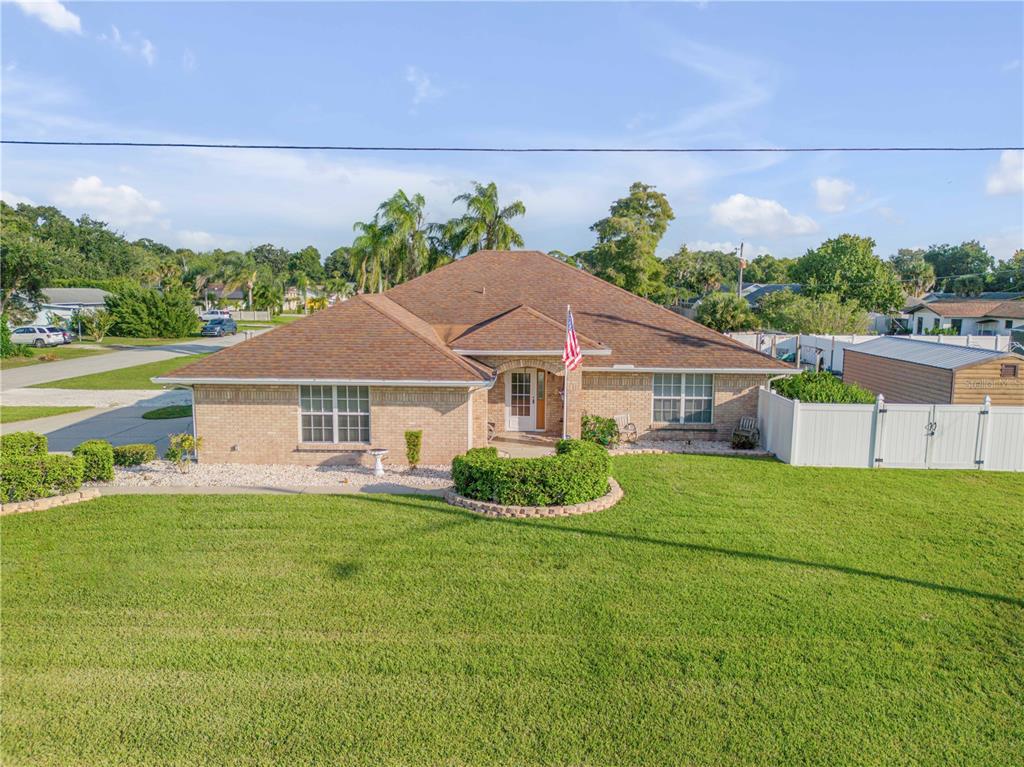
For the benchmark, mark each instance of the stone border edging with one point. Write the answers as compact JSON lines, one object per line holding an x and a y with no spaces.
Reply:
{"x":606,"y":501}
{"x":39,"y":504}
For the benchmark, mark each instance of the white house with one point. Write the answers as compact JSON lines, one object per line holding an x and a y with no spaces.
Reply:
{"x":65,"y":302}
{"x":968,"y":317}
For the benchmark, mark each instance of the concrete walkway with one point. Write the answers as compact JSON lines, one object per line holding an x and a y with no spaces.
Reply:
{"x":30,"y":375}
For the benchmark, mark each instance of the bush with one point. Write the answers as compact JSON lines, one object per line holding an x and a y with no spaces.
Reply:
{"x":725,"y":312}
{"x":577,"y":473}
{"x":141,"y":313}
{"x":180,"y":448}
{"x":7,"y":347}
{"x":602,"y":431}
{"x":134,"y":455}
{"x":413,"y":442}
{"x":23,"y":443}
{"x":822,"y":387}
{"x":742,"y":442}
{"x":27,"y":477}
{"x":98,"y":459}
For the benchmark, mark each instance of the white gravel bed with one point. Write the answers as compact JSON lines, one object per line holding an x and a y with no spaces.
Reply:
{"x":98,"y":397}
{"x":166,"y":474}
{"x":693,"y":446}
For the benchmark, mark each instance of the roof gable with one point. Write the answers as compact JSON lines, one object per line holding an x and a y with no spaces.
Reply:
{"x":520,"y":329}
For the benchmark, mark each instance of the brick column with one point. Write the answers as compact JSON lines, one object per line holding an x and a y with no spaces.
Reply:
{"x":574,"y":386}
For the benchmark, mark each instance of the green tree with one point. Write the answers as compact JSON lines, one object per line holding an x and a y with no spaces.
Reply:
{"x":791,"y":312}
{"x":1009,"y":274}
{"x":240,"y":270}
{"x":485,"y":224}
{"x":767,"y":269}
{"x":916,"y":274}
{"x":725,"y":312}
{"x":699,"y":272}
{"x":149,"y":313}
{"x":339,"y":263}
{"x":307,"y":261}
{"x":951,"y":261}
{"x":407,"y":235}
{"x":270,"y":255}
{"x":627,"y":239}
{"x":848,"y":267}
{"x":25,"y":266}
{"x":369,"y":255}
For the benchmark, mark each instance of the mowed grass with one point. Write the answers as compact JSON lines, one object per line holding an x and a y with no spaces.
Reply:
{"x":49,"y":354}
{"x":131,"y":341}
{"x":135,"y":377}
{"x":13,"y":413}
{"x":728,"y":611}
{"x":169,"y":412}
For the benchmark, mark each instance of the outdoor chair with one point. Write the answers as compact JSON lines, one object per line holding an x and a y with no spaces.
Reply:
{"x":747,"y":429}
{"x":627,"y":429}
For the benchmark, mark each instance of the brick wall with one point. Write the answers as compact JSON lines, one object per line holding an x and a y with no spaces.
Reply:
{"x":260,"y":424}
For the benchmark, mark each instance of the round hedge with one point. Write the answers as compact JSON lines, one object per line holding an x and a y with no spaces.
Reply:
{"x":577,"y":473}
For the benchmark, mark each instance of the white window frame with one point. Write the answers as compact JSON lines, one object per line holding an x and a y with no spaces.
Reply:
{"x":336,"y":416}
{"x":682,"y":399}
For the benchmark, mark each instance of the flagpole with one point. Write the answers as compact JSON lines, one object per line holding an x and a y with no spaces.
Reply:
{"x":565,"y":385}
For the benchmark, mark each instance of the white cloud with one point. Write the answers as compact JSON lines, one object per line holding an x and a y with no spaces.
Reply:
{"x":123,"y":205}
{"x":14,"y":199}
{"x":53,"y":14}
{"x":423,"y":88}
{"x":728,"y":246}
{"x":1008,"y":176}
{"x":756,"y":216}
{"x":188,"y":60}
{"x":1004,"y":244}
{"x":833,"y":194}
{"x":139,"y":46}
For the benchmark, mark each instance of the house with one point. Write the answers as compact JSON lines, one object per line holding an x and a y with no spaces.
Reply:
{"x":66,"y":302}
{"x":910,"y":371}
{"x":467,"y":350}
{"x":968,"y":316}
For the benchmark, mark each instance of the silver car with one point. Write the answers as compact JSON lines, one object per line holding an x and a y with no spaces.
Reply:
{"x":36,"y":335}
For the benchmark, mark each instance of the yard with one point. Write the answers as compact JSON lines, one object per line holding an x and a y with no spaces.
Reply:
{"x":49,"y":354}
{"x":14,"y":413}
{"x":136,"y":377}
{"x":728,"y":611}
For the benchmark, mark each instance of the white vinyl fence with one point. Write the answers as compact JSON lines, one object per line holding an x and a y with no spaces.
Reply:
{"x":242,"y":315}
{"x":886,"y":435}
{"x":828,"y":350}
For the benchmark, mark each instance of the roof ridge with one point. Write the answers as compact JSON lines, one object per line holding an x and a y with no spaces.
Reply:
{"x":557,"y":324}
{"x":437,"y":345}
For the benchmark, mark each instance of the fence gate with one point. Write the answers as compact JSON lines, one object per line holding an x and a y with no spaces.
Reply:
{"x":930,"y":436}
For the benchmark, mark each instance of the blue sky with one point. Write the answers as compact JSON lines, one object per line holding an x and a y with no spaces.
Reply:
{"x":717,"y":74}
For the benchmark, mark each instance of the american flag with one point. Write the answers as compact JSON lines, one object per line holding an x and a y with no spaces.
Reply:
{"x":571,"y":356}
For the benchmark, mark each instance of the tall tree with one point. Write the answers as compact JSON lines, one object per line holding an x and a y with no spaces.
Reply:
{"x":952,"y":261}
{"x":338,"y":262}
{"x":485,"y":224}
{"x":848,"y":267}
{"x":916,"y":274}
{"x":791,"y":312}
{"x":307,"y":261}
{"x":370,"y":256}
{"x":271,"y":255}
{"x":1009,"y":274}
{"x":627,"y":239}
{"x":767,"y":269}
{"x":240,"y":270}
{"x":408,"y":238}
{"x":726,"y":312}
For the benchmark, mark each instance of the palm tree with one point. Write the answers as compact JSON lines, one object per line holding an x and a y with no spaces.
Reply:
{"x":301,"y":283}
{"x":240,"y":270}
{"x":370,"y":255}
{"x":407,"y":234}
{"x":485,"y":224}
{"x":337,"y":285}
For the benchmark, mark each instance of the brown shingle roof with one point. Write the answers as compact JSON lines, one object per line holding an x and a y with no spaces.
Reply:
{"x":974,"y":309}
{"x":638,"y":332}
{"x":357,"y":340}
{"x":520,"y":329}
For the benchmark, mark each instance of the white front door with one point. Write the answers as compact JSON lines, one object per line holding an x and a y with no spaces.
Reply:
{"x":521,"y":400}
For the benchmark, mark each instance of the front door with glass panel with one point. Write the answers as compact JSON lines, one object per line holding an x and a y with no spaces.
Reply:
{"x":521,"y":400}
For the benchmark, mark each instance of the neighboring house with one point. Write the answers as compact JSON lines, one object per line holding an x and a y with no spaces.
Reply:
{"x":909,"y":371}
{"x":218,"y":294}
{"x":968,"y":316}
{"x":294,"y":301}
{"x":469,"y":348}
{"x":755,"y":293}
{"x":66,"y":302}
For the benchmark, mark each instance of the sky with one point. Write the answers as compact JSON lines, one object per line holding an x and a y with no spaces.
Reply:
{"x":526,"y":74}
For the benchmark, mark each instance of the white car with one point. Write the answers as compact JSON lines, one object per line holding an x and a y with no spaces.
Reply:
{"x":36,"y":335}
{"x":215,"y":314}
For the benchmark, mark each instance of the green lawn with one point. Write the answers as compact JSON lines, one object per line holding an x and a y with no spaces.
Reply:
{"x":50,"y":354}
{"x":165,"y":413}
{"x":136,"y":377}
{"x":727,"y":612}
{"x":13,"y":413}
{"x":129,"y":341}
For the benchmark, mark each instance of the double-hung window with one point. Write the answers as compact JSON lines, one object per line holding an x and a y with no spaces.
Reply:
{"x":683,"y":397}
{"x":335,"y":413}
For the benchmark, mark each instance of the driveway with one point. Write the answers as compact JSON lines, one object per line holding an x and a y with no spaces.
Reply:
{"x":117,"y":425}
{"x":19,"y":378}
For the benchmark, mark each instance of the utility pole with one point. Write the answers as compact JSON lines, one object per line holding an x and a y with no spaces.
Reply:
{"x":739,"y":285}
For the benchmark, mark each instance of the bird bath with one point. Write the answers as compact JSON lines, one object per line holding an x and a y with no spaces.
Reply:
{"x":378,"y":454}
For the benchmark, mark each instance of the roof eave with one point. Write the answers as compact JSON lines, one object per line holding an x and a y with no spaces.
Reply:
{"x":307,"y":381}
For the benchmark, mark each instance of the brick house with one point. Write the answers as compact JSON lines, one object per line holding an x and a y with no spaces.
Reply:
{"x":470,"y":349}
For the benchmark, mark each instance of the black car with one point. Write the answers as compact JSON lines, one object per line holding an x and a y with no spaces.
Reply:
{"x":224,"y":326}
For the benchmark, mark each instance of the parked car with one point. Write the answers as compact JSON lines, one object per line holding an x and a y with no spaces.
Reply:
{"x":64,"y":333}
{"x":222,"y":326}
{"x":215,"y":314}
{"x":36,"y":335}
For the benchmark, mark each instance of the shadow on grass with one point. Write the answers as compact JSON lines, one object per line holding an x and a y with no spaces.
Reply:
{"x":696,"y":547}
{"x":343,"y":571}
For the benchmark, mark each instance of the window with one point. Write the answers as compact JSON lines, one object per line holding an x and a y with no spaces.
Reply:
{"x":22,"y":331}
{"x":680,"y":398}
{"x":1008,"y":325}
{"x":335,"y":413}
{"x":1007,"y":371}
{"x":920,"y":326}
{"x":958,"y":324}
{"x":936,"y":323}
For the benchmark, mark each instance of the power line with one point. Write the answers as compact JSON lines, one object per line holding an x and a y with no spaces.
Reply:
{"x":516,"y":150}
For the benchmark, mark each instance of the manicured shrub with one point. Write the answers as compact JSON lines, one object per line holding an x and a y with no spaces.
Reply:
{"x":603,"y":431}
{"x":822,"y":387}
{"x":134,"y":455}
{"x":578,"y":472}
{"x":27,"y":477}
{"x":22,"y":443}
{"x":413,"y":442}
{"x":98,"y":458}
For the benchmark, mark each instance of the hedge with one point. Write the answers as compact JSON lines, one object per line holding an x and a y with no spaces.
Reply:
{"x":23,"y":443}
{"x":27,"y":477}
{"x":135,"y":454}
{"x":577,"y":473}
{"x":821,"y":386}
{"x":98,"y":458}
{"x":600,"y":430}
